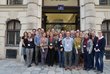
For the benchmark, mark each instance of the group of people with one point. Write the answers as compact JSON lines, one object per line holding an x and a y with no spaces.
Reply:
{"x":68,"y":49}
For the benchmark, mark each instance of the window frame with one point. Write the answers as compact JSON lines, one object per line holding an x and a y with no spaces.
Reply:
{"x":104,"y":3}
{"x":107,"y":31}
{"x":14,"y":30}
{"x":14,"y":3}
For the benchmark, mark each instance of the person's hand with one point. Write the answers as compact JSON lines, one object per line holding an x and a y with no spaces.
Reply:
{"x":96,"y":50}
{"x":89,"y":52}
{"x":76,"y":51}
{"x":61,"y":49}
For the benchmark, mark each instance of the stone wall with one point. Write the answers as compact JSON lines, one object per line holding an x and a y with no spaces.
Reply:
{"x":8,"y":13}
{"x":87,"y":11}
{"x":102,"y":13}
{"x":29,"y":14}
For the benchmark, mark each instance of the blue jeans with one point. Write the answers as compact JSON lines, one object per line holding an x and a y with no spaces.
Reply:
{"x":99,"y":61}
{"x":90,"y":61}
{"x":61,"y":58}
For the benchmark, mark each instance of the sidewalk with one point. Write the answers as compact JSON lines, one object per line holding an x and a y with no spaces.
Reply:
{"x":14,"y":67}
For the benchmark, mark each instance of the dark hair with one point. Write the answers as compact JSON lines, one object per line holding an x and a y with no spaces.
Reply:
{"x":24,"y":33}
{"x":39,"y":29}
{"x":90,"y":36}
{"x":33,"y":29}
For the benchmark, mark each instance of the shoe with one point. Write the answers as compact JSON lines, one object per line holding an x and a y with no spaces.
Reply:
{"x":95,"y":70}
{"x":73,"y":67}
{"x":99,"y":72}
{"x":66,"y":68}
{"x":88,"y":69}
{"x":29,"y":66}
{"x":70,"y":68}
{"x":84,"y":68}
{"x":36,"y":64}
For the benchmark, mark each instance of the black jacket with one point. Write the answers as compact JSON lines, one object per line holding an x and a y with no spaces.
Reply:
{"x":30,"y":44}
{"x":101,"y":43}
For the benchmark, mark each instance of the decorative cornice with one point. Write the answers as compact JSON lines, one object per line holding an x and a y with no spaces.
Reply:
{"x":33,"y":3}
{"x":88,"y":3}
{"x":102,"y":7}
{"x":8,"y":8}
{"x":13,"y":6}
{"x":33,"y":16}
{"x":88,"y":16}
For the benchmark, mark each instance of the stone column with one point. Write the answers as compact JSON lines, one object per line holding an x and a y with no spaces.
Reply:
{"x":2,"y":35}
{"x":87,"y":14}
{"x":24,"y":2}
{"x":3,"y":2}
{"x":2,"y":39}
{"x":34,"y":14}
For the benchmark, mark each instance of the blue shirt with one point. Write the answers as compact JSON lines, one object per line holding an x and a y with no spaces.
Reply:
{"x":67,"y":44}
{"x":37,"y":40}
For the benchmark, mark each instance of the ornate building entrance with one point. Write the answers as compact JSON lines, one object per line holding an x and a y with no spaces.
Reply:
{"x":61,"y":15}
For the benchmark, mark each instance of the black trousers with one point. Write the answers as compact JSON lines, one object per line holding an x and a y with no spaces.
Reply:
{"x":50,"y":57}
{"x":56,"y":57}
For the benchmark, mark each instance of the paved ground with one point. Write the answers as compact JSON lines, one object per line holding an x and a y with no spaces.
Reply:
{"x":14,"y":67}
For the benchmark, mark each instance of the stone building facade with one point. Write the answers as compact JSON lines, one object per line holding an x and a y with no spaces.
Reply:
{"x":17,"y":16}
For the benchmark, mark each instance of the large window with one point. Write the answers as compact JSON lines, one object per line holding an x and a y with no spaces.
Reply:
{"x":104,"y":2}
{"x":13,"y":32}
{"x":14,"y":2}
{"x":106,"y":30}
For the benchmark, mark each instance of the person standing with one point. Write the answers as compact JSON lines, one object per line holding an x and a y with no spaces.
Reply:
{"x":51,"y":53}
{"x":78,"y":52}
{"x":55,"y":48}
{"x":94,"y":38}
{"x":24,"y":44}
{"x":43,"y":48}
{"x":29,"y":49}
{"x":89,"y":49}
{"x":37,"y":46}
{"x":33,"y":35}
{"x":61,"y":51}
{"x":99,"y":52}
{"x":68,"y":46}
{"x":85,"y":44}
